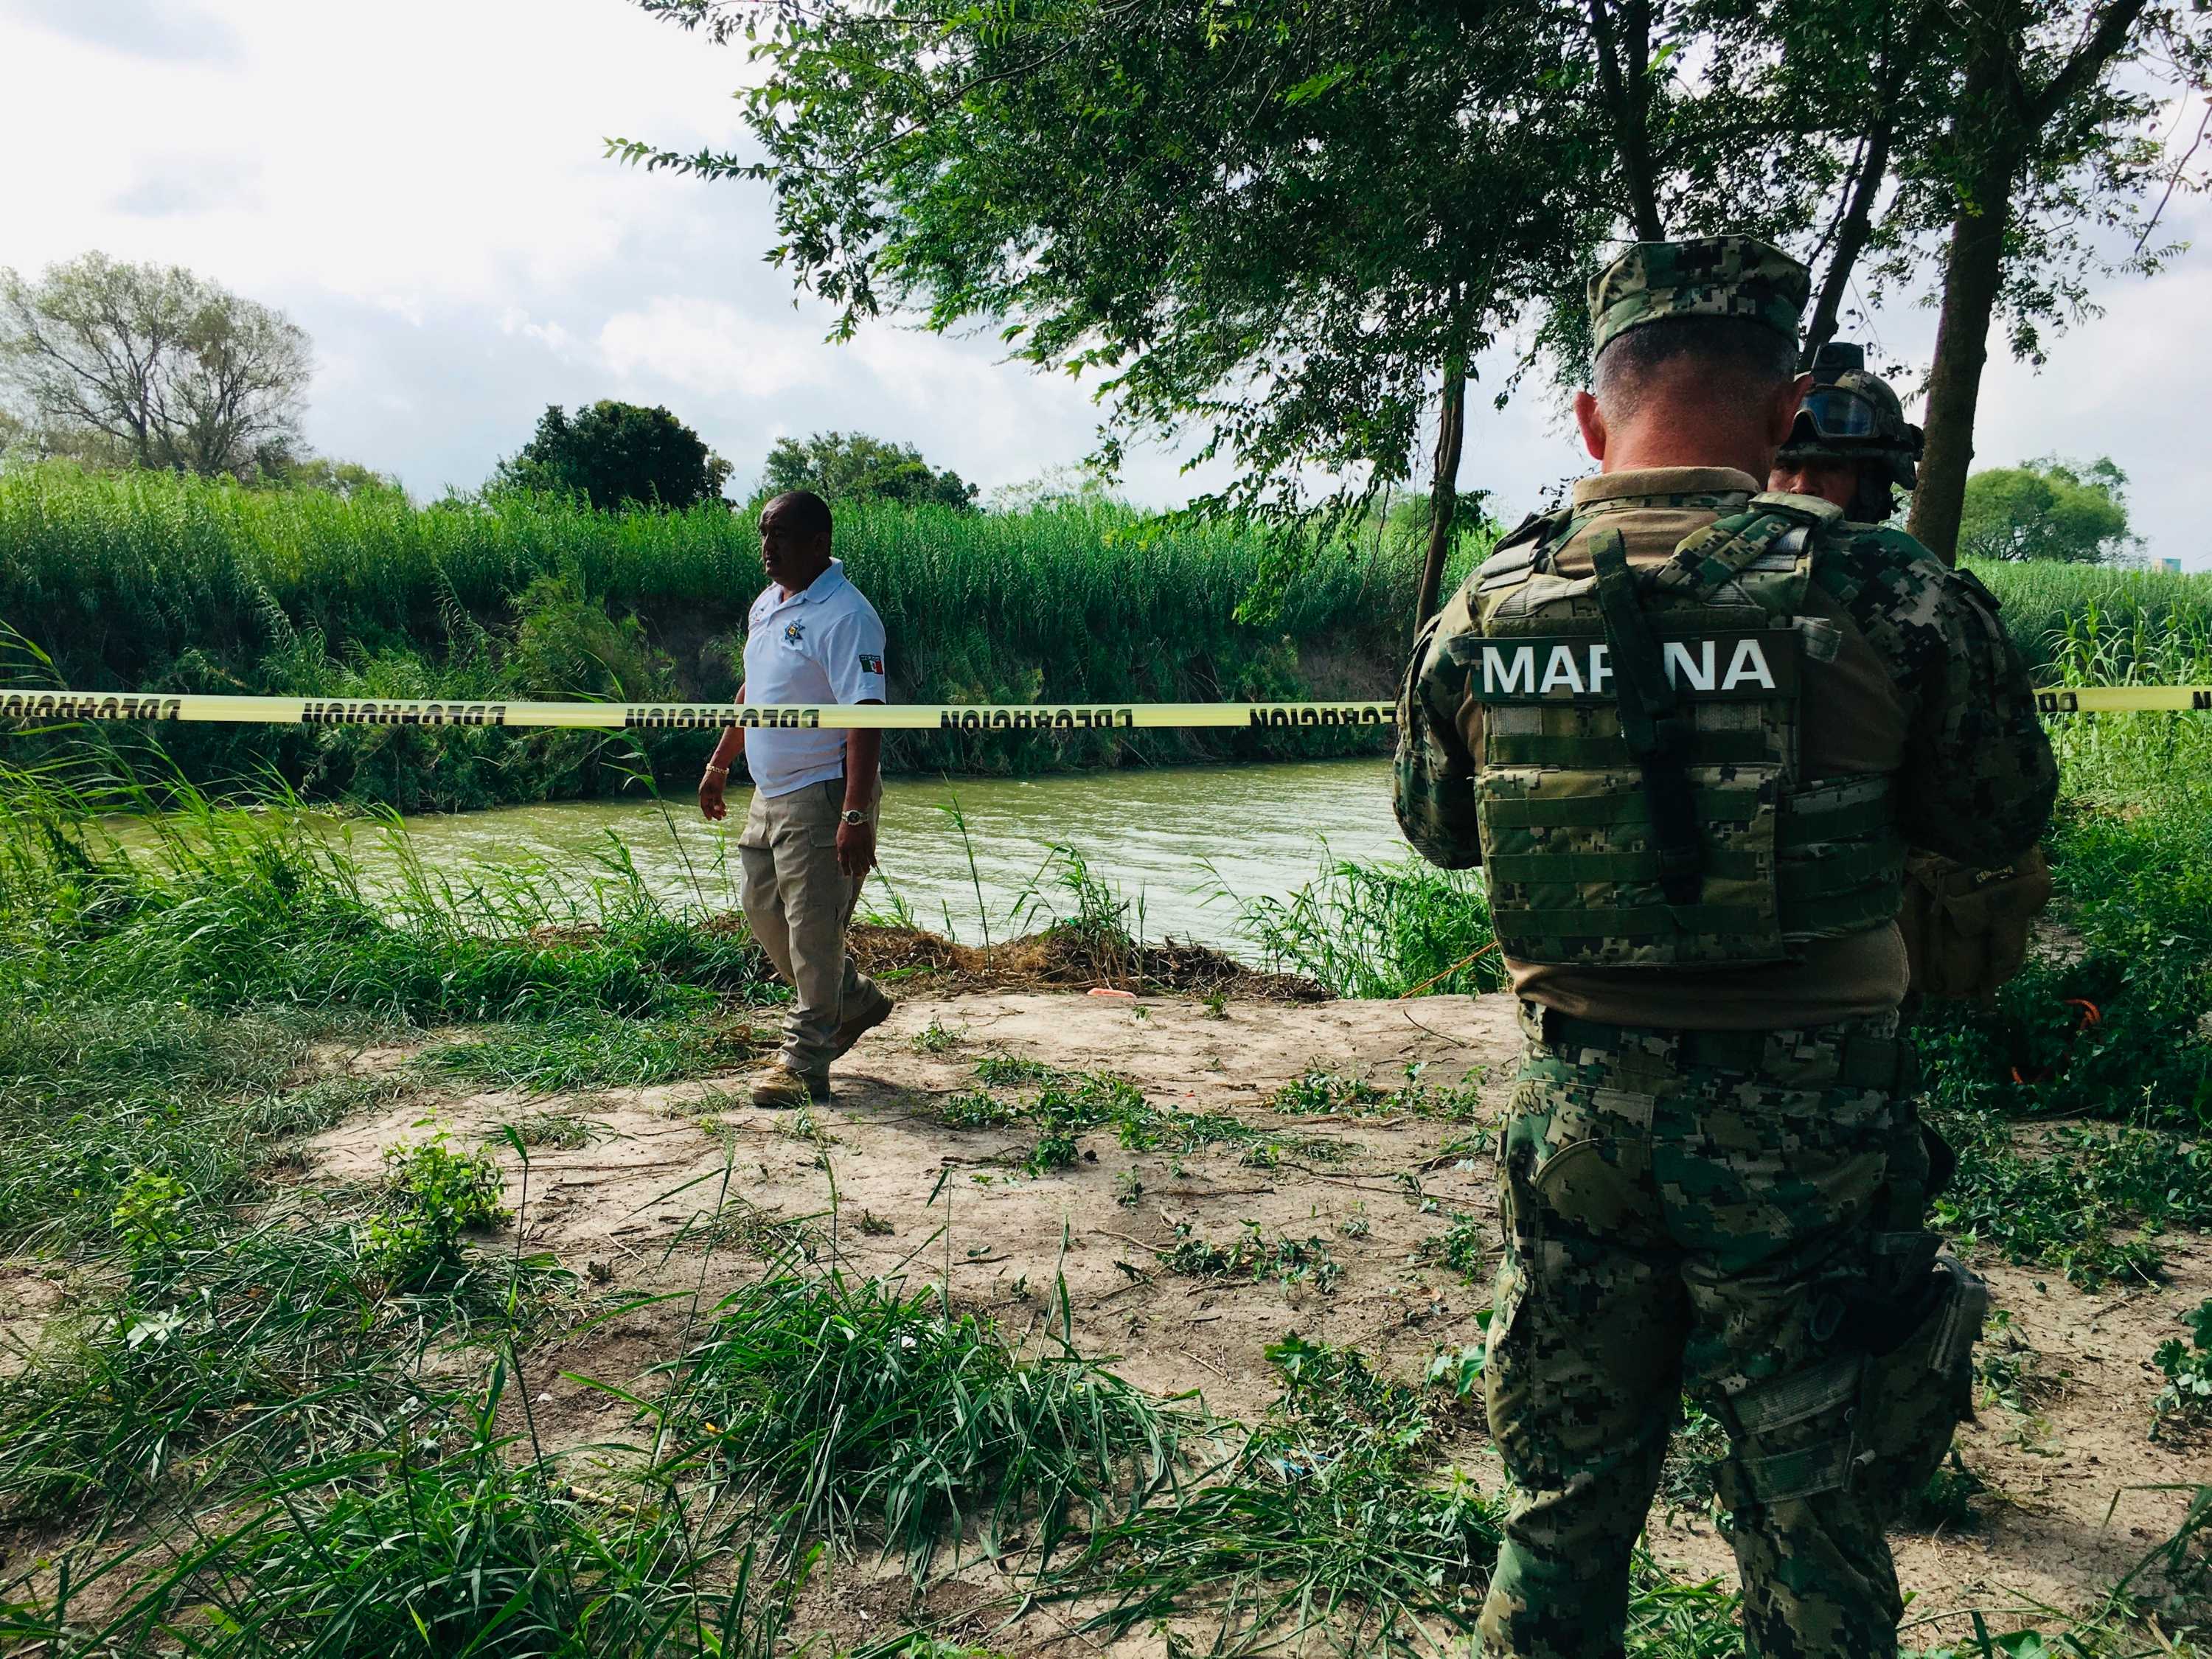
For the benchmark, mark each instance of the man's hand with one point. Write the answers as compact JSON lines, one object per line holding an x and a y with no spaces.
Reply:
{"x":711,"y":805}
{"x":856,"y":849}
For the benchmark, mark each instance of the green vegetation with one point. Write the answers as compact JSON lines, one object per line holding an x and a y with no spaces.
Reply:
{"x":597,"y":1050}
{"x":1252,"y":1255}
{"x":1067,"y":1105}
{"x":2102,"y":624}
{"x":825,"y":1402}
{"x":433,"y":1196}
{"x":617,"y":455}
{"x":1324,"y":1092}
{"x":2046,"y":509}
{"x":2185,"y":1401}
{"x":1324,"y":1520}
{"x":146,"y":580}
{"x":842,"y":467}
{"x":1381,"y":930}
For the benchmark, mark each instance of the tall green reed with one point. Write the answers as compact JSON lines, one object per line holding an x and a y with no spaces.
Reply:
{"x":143,"y":579}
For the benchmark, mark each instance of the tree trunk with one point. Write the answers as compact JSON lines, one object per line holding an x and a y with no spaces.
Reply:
{"x":1973,"y":269}
{"x":1625,"y":87}
{"x":1851,"y":242}
{"x":1444,"y":491}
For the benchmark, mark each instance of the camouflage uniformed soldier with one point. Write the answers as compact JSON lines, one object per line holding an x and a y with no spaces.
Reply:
{"x":1966,"y":931}
{"x":1689,"y":730}
{"x":1850,"y":443}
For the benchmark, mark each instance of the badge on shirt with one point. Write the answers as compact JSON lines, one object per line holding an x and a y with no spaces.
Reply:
{"x":793,"y":632}
{"x":871,"y":665}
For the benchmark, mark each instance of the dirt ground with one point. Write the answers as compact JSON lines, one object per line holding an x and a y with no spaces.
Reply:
{"x":630,"y":1204}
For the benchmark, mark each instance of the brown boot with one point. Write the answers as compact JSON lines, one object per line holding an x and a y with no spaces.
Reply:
{"x":780,"y":1089}
{"x":851,"y":1031}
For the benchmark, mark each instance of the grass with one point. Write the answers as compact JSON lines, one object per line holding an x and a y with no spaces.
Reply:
{"x":1068,"y":1105}
{"x":1251,"y":1255}
{"x":161,"y":1002}
{"x":1381,"y":930}
{"x":1319,"y":1092}
{"x":2047,"y":605}
{"x":833,"y":1404}
{"x":147,"y":581}
{"x":448,"y":1536}
{"x":597,"y":1050}
{"x":226,"y":1347}
{"x":1323,"y":1522}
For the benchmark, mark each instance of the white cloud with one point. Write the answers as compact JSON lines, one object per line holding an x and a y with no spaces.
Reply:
{"x":158,"y":29}
{"x":710,"y":346}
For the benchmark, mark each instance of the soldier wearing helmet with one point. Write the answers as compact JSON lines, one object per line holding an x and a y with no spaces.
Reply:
{"x":1850,"y":443}
{"x":1966,"y":929}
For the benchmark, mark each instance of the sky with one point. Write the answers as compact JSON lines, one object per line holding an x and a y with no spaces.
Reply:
{"x":422,"y":185}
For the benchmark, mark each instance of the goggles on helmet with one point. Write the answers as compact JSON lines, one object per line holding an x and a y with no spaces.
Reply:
{"x":1834,"y":411}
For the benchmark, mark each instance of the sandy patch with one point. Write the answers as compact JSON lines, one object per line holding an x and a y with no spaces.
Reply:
{"x":663,"y":1161}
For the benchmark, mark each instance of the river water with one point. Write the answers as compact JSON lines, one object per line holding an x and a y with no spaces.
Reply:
{"x":1181,"y":844}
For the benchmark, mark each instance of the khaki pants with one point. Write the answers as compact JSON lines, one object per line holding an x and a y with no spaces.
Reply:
{"x":799,"y":904}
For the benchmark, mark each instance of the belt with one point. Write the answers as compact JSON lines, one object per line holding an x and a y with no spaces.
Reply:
{"x":1863,"y":1060}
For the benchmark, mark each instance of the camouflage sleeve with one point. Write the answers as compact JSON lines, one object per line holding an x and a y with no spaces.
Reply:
{"x":1433,"y":790}
{"x":1979,"y":779}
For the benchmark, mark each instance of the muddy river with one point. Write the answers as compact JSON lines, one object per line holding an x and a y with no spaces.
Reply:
{"x":1181,"y":845}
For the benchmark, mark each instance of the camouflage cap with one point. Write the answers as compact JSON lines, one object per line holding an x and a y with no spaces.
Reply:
{"x":1704,"y":277}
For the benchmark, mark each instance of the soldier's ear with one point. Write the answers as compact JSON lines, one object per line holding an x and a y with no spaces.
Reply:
{"x":1591,"y":420}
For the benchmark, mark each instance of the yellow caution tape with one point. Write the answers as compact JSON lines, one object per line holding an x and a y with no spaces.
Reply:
{"x":2099,"y":699}
{"x":40,"y":707}
{"x":48,"y":706}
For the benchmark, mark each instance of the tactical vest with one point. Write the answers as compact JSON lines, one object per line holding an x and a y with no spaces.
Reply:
{"x":1640,"y":799}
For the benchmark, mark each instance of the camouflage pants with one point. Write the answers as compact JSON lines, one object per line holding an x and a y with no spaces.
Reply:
{"x":1707,"y":1211}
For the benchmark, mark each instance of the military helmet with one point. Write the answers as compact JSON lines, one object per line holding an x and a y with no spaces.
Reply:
{"x":1850,"y":414}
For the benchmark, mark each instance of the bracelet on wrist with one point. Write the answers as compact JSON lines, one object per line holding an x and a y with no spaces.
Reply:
{"x":717,"y":772}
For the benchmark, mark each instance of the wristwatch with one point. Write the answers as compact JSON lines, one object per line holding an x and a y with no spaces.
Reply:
{"x":853,"y":815}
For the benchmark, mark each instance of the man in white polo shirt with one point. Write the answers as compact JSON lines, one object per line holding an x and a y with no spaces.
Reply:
{"x":810,"y":839}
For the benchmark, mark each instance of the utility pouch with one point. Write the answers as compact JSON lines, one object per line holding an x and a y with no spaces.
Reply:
{"x":1877,"y":1418}
{"x":1911,"y":1398}
{"x":1967,"y":930}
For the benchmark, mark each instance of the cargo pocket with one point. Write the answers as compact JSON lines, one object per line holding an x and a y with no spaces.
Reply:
{"x":1507,"y":1400}
{"x":1914,"y":1396}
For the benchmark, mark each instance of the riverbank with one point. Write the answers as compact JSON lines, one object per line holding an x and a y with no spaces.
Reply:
{"x":367,"y":1251}
{"x":1277,"y":1219}
{"x":151,"y":581}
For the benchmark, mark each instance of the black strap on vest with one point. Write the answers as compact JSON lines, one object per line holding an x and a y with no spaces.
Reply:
{"x":1651,"y":721}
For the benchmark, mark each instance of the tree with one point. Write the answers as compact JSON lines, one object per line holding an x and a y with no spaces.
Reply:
{"x":348,"y":480}
{"x":852,"y":467}
{"x":1280,"y":231}
{"x":617,"y":455}
{"x":150,"y":366}
{"x":2047,"y":509}
{"x":2042,"y":145}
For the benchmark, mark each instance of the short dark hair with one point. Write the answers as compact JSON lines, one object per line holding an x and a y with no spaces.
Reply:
{"x":808,"y":513}
{"x":1743,"y":359}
